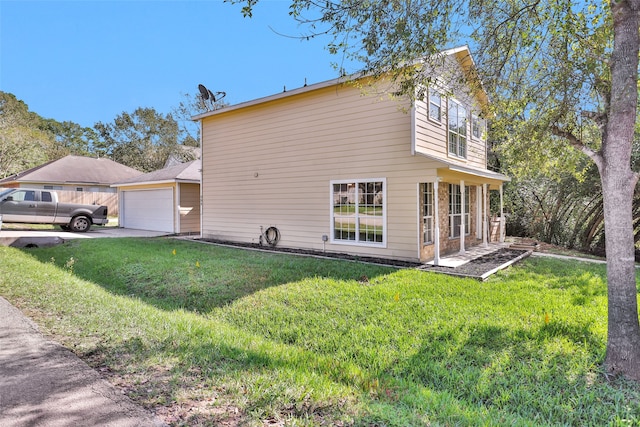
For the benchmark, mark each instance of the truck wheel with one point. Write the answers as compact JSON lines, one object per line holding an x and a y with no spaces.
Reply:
{"x":80,"y":224}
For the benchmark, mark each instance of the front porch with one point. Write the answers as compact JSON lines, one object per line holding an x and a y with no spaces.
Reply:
{"x":460,"y":258}
{"x":478,"y":262}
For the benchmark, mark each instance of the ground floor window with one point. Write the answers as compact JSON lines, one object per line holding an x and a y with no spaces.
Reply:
{"x":358,"y":211}
{"x":455,"y":210}
{"x":426,"y":210}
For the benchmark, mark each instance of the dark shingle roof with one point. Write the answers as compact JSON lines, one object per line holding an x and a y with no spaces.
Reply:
{"x":183,"y":172}
{"x":76,"y":170}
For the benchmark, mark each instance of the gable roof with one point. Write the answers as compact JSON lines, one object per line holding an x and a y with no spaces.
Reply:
{"x":75,"y":170}
{"x":461,"y":54}
{"x":189,"y":172}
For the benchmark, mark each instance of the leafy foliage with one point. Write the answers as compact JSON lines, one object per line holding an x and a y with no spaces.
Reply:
{"x":143,"y":139}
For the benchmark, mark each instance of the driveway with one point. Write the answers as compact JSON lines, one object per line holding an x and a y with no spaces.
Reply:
{"x":39,"y":238}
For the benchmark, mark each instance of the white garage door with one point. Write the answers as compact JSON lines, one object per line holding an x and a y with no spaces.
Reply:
{"x":148,"y":210}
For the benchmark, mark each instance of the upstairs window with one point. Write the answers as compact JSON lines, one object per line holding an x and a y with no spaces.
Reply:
{"x":435,"y":106}
{"x":457,"y":129}
{"x":358,"y":211}
{"x":478,"y":127}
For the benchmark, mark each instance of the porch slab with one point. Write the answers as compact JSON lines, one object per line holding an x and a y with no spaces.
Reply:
{"x":478,"y":265}
{"x":474,"y":252}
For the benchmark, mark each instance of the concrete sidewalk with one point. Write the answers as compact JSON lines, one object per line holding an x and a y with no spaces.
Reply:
{"x":44,"y":384}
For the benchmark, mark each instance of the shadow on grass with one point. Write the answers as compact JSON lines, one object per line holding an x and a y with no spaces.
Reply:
{"x":172,"y":274}
{"x":489,"y":376}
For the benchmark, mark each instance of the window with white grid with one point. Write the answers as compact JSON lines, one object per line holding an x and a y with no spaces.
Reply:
{"x":455,"y":210}
{"x":457,"y":129}
{"x":427,"y":213}
{"x":358,"y":213}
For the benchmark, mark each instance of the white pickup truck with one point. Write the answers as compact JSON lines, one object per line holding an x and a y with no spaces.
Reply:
{"x":33,"y":206}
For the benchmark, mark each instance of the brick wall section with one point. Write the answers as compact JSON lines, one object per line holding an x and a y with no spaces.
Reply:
{"x":449,"y":245}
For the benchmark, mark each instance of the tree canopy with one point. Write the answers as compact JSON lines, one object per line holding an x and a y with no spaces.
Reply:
{"x":144,"y":139}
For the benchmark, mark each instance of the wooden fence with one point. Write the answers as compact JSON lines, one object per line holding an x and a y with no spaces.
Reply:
{"x":110,"y":200}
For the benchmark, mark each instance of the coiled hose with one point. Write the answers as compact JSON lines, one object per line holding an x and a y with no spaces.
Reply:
{"x":271,"y":236}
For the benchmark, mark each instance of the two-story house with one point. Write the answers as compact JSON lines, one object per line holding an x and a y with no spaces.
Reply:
{"x":337,"y":170}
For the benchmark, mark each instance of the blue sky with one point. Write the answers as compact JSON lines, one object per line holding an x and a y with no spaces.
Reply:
{"x":88,"y":61}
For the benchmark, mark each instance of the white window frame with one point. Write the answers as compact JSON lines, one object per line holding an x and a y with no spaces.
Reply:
{"x":453,"y":213}
{"x":432,"y":105}
{"x":457,"y":139}
{"x":357,"y":215}
{"x":478,"y":127}
{"x":428,"y":229}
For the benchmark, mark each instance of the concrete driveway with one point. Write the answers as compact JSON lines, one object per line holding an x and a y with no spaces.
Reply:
{"x":39,"y":238}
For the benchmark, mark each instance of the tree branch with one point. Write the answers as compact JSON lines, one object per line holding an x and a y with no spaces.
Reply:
{"x":577,"y":144}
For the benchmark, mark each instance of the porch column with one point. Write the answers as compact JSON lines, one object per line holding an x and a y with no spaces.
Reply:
{"x":502,"y":230}
{"x":478,"y":212}
{"x":462,"y":208}
{"x":436,"y":226}
{"x":485,"y":217}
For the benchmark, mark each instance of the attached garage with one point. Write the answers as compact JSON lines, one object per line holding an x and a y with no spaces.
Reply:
{"x":166,"y":200}
{"x":148,"y":209}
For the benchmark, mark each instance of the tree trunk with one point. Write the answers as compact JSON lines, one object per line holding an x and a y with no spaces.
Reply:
{"x":623,"y":340}
{"x":618,"y":184}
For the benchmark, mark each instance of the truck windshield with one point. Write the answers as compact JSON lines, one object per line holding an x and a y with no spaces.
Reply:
{"x":4,"y":192}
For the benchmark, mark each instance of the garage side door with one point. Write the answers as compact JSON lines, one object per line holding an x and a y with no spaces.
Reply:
{"x":148,"y":210}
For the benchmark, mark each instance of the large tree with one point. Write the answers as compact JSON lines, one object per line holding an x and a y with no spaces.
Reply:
{"x":553,"y":67}
{"x":22,"y":143}
{"x":143,"y":140}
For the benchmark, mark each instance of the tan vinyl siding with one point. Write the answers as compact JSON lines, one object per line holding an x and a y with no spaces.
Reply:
{"x":272,"y":164}
{"x":189,"y":208}
{"x":431,"y":136}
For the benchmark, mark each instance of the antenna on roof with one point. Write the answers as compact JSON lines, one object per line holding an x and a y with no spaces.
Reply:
{"x":207,"y":95}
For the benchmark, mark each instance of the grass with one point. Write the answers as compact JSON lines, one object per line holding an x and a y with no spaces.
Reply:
{"x":205,"y":334}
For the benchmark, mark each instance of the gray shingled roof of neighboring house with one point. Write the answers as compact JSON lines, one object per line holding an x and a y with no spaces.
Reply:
{"x":76,"y":170}
{"x":184,"y":172}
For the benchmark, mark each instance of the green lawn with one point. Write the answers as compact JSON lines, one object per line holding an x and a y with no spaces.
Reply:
{"x":208,"y":334}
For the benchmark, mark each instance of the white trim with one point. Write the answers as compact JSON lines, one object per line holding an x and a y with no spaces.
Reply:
{"x":485,"y":217}
{"x":414,"y":129}
{"x":459,"y":105}
{"x":478,"y":212}
{"x":165,"y":181}
{"x":436,"y":228}
{"x":502,"y":229}
{"x":429,"y":118}
{"x":201,"y":169}
{"x":463,"y":208}
{"x":357,"y":181}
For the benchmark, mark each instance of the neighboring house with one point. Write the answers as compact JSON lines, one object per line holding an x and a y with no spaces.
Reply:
{"x":73,"y":173}
{"x":339,"y":171}
{"x":164,"y":200}
{"x":77,"y":179}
